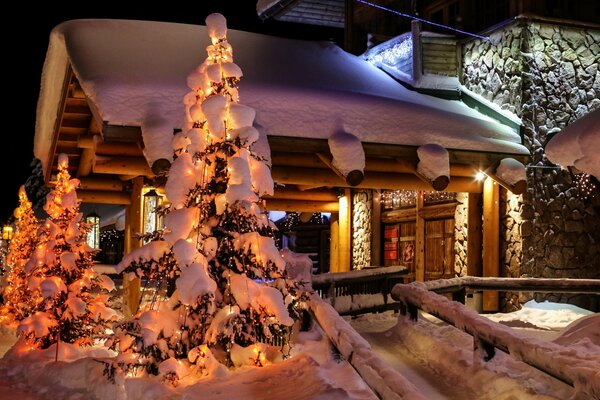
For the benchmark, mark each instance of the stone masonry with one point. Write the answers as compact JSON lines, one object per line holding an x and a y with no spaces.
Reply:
{"x":461,"y":218}
{"x":362,"y":201}
{"x":548,"y":75}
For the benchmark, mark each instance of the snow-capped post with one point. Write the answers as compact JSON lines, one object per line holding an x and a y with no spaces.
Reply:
{"x":509,"y":173}
{"x":17,"y":298}
{"x":232,"y":294}
{"x":434,"y":166}
{"x":60,"y":275}
{"x":348,"y":157}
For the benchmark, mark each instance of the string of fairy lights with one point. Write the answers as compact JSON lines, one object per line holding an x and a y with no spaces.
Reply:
{"x":393,"y":199}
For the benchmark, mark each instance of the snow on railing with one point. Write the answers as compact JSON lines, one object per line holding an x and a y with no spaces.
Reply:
{"x":558,"y":361}
{"x":377,"y":374}
{"x":359,"y":292}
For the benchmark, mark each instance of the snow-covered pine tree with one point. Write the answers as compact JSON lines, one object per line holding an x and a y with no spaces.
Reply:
{"x":217,"y":248}
{"x":17,"y":298}
{"x":68,"y":303}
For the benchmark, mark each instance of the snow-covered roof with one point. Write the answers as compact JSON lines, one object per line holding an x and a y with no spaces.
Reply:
{"x":134,"y":73}
{"x":577,"y":145}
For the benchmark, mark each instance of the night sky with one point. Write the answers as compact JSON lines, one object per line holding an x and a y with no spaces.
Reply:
{"x":26,"y":39}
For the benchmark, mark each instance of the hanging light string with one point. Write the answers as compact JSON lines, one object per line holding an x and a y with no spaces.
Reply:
{"x":422,"y":20}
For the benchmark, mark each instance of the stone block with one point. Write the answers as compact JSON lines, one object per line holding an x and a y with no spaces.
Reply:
{"x":574,"y":38}
{"x":569,"y":55}
{"x":573,"y":226}
{"x":526,"y":228}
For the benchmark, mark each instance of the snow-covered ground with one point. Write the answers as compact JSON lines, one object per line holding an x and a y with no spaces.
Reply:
{"x":313,"y":372}
{"x":437,"y":358}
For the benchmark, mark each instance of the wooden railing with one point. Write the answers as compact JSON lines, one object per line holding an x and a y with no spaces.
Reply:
{"x":360,"y":292}
{"x":382,"y":378}
{"x":553,"y":359}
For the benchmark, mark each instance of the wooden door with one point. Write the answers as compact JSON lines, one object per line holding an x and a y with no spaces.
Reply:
{"x":439,"y":248}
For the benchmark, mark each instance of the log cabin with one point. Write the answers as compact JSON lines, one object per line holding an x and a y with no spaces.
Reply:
{"x":111,"y":99}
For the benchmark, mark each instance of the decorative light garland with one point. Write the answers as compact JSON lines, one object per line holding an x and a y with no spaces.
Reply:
{"x":422,"y":20}
{"x":585,"y":187}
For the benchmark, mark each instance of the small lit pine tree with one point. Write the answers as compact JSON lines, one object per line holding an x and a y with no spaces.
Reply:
{"x":218,"y":249}
{"x":17,"y":297}
{"x":68,"y":303}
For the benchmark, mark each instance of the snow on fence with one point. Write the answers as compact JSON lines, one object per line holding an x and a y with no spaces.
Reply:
{"x":558,"y":361}
{"x":359,"y":292}
{"x":379,"y":375}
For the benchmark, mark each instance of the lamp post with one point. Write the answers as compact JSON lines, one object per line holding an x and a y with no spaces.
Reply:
{"x":93,"y":236}
{"x":7,"y":232}
{"x":152,"y":219}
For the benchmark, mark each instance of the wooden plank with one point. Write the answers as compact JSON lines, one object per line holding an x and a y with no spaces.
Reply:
{"x":334,"y":247}
{"x":294,"y":194}
{"x":121,"y":133}
{"x":474,"y":235}
{"x":376,"y":229}
{"x":477,"y":159}
{"x":444,"y":210}
{"x":420,"y":241}
{"x":58,"y":123}
{"x":86,"y":163}
{"x":71,"y":130}
{"x":133,"y":226}
{"x":290,"y":159}
{"x":441,"y":57}
{"x":103,"y":197}
{"x":438,"y":47}
{"x":301,"y":205}
{"x":491,"y":240}
{"x":100,"y":183}
{"x":345,"y":231}
{"x":136,"y":166}
{"x":119,"y":149}
{"x":314,"y":177}
{"x":402,"y":215}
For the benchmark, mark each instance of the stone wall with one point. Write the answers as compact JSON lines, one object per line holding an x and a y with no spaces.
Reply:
{"x":549,"y":76}
{"x":461,"y":218}
{"x":362,"y":203}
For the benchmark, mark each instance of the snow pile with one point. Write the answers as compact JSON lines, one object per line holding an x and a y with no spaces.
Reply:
{"x":583,"y":334}
{"x":544,"y":315}
{"x":298,"y":267}
{"x":347,"y":151}
{"x":312,"y":373}
{"x":434,"y":161}
{"x":156,"y":133}
{"x":511,"y":171}
{"x":578,"y":144}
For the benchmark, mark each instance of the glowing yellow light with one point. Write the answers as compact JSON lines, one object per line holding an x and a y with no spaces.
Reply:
{"x":479,"y":176}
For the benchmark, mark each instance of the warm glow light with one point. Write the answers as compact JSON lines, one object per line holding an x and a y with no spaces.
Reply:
{"x":7,"y":232}
{"x":479,"y":176}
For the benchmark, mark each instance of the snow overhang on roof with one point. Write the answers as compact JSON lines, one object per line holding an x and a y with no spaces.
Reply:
{"x":577,"y":145}
{"x":134,"y":73}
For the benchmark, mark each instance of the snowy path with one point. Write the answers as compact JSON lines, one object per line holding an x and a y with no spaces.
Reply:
{"x":431,"y":385}
{"x":417,"y":372}
{"x":438,"y":360}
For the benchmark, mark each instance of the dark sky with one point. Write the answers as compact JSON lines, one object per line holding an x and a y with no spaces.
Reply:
{"x":26,"y":39}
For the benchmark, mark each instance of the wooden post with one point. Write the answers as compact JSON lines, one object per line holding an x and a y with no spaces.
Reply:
{"x":334,"y":247}
{"x":133,"y":226}
{"x":474,"y":235}
{"x":491,"y":240}
{"x":420,"y":241}
{"x":376,"y":229}
{"x":345,"y":233}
